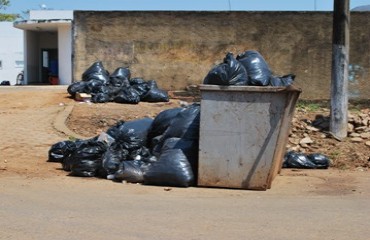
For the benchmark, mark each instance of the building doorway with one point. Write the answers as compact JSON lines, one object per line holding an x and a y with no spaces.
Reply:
{"x":49,"y":64}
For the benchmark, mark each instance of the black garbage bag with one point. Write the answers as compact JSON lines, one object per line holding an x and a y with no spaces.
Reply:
{"x":189,"y":147}
{"x":87,"y":159}
{"x":257,"y":68}
{"x":141,"y":88}
{"x":61,"y":150}
{"x":114,"y":130}
{"x":230,"y":72}
{"x":120,"y":77}
{"x":140,"y":153}
{"x":96,"y":71}
{"x":132,"y":134}
{"x":283,"y":81}
{"x":185,"y":124}
{"x":297,"y":160}
{"x":67,"y":162}
{"x":154,"y":94}
{"x":321,"y":161}
{"x":113,"y":157}
{"x":5,"y":83}
{"x":94,"y":86}
{"x":171,"y":169}
{"x":127,"y":95}
{"x":130,"y":171}
{"x":100,"y":98}
{"x":136,"y":81}
{"x":77,"y":87}
{"x":162,"y":121}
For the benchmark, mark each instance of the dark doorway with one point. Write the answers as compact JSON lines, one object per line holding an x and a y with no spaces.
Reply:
{"x":49,"y":64}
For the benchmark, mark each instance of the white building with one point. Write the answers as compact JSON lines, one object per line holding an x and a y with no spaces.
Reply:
{"x":11,"y":52}
{"x":47,"y":46}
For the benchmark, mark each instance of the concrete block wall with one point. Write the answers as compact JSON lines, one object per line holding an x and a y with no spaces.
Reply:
{"x":179,"y":48}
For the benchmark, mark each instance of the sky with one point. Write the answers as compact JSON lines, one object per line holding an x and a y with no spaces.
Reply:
{"x":19,"y":6}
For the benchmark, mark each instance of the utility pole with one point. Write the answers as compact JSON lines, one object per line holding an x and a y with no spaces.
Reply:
{"x":340,"y":60}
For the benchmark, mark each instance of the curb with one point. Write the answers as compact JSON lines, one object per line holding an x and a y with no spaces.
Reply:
{"x":60,"y":123}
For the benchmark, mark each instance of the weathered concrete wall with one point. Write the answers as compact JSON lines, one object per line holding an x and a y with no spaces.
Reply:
{"x":179,"y":48}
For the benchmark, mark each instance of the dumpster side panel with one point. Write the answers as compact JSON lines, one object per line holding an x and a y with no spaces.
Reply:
{"x":238,"y":135}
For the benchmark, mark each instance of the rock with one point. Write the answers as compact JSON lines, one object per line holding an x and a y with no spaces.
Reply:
{"x":312,"y":129}
{"x":360,"y":129}
{"x":350,"y":127}
{"x":304,"y":145}
{"x":367,"y":143}
{"x":356,"y":139}
{"x":296,"y":148}
{"x":294,"y":141}
{"x":322,"y":136}
{"x":365,"y":122}
{"x":365,"y":135}
{"x":306,"y":140}
{"x":354,"y":134}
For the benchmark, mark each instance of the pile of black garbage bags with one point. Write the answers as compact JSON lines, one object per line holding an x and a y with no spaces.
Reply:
{"x":161,"y":151}
{"x":247,"y":69}
{"x":117,"y":87}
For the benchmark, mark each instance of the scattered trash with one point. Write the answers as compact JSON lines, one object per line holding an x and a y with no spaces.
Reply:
{"x":119,"y":87}
{"x":5,"y":83}
{"x":82,"y":97}
{"x":300,"y":160}
{"x":124,"y":153}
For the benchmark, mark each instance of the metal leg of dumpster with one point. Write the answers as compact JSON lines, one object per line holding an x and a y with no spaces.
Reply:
{"x":243,"y":134}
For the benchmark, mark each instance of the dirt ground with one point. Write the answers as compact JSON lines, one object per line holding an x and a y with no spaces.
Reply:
{"x":91,"y":119}
{"x":38,"y":200}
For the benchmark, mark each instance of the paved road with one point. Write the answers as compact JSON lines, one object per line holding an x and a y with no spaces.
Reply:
{"x":38,"y":201}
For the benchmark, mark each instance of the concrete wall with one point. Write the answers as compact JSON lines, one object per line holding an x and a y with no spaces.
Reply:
{"x":179,"y":48}
{"x":11,"y":52}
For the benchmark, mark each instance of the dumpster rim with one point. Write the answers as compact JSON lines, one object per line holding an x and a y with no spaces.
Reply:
{"x":271,"y":89}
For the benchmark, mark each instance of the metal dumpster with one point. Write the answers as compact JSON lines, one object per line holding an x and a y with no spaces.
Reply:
{"x":243,"y":134}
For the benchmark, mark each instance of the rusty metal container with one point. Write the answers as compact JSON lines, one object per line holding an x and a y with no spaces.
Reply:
{"x":243,"y":134}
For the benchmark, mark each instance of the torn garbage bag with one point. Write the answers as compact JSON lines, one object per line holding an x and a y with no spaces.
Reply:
{"x":230,"y":72}
{"x":171,"y":169}
{"x":257,"y":68}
